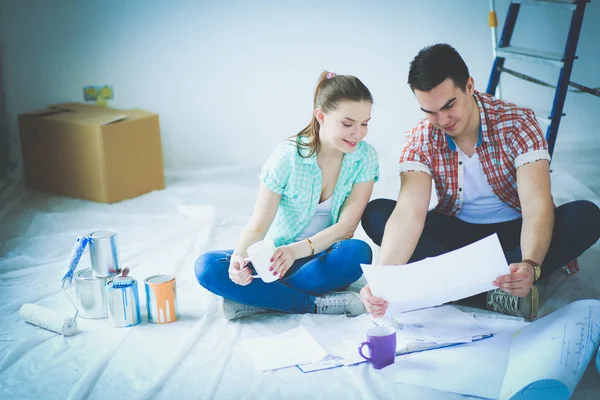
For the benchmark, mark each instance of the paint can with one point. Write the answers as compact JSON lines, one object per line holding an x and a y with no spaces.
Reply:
{"x":90,"y":294}
{"x":103,"y":253}
{"x":123,"y":302}
{"x":161,"y":299}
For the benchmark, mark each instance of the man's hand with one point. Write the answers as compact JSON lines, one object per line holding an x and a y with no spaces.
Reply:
{"x":374,"y":305}
{"x":519,"y":281}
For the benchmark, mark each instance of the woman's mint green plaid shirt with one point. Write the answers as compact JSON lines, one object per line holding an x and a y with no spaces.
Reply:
{"x":298,"y":180}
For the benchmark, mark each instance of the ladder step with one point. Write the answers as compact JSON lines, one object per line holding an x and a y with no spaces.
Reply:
{"x":543,"y":116}
{"x":536,"y":56}
{"x":569,"y":4}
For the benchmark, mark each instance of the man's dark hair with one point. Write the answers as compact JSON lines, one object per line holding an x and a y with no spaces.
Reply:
{"x":434,"y":64}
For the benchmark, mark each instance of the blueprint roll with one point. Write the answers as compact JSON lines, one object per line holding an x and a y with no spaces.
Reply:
{"x":48,"y":319}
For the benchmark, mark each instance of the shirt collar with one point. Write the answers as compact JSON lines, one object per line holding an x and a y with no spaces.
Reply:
{"x":452,"y":144}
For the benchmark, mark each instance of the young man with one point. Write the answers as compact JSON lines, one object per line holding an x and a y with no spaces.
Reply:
{"x":490,"y":164}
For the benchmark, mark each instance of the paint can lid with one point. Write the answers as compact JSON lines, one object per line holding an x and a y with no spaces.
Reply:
{"x":158,"y":279}
{"x":102,"y":234}
{"x":87,"y":274}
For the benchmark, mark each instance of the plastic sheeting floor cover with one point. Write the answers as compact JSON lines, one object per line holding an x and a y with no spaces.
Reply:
{"x":197,"y":356}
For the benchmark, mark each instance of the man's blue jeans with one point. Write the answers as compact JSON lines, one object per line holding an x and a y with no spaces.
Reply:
{"x":330,"y":270}
{"x":576,"y":228}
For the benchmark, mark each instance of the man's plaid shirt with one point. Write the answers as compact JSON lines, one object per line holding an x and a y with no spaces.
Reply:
{"x":509,"y":138}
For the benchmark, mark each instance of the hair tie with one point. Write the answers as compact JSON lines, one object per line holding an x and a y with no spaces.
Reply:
{"x":330,"y":75}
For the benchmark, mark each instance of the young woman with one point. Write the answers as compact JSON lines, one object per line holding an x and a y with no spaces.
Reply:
{"x":314,"y":189}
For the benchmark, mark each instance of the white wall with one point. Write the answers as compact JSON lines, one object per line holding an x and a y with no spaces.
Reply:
{"x":232,"y":78}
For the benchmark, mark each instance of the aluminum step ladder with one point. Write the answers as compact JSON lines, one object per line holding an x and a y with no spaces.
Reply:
{"x":563,"y":61}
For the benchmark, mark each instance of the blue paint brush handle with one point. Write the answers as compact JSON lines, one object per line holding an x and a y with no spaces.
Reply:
{"x":67,"y":275}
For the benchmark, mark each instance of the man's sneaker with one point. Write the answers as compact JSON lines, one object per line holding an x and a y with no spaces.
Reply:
{"x":233,"y":310}
{"x":525,"y":307}
{"x":340,"y":303}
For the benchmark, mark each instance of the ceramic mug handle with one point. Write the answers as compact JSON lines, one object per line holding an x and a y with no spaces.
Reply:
{"x":360,"y":348}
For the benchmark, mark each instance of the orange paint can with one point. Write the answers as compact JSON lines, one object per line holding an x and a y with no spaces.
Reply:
{"x":161,"y":299}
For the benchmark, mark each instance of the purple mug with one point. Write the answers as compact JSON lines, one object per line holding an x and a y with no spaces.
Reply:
{"x":381,"y":341}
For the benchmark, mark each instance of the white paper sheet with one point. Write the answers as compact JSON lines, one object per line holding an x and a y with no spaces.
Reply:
{"x":461,"y":273}
{"x":290,"y":348}
{"x":549,"y":356}
{"x":475,"y":369}
{"x":433,"y":328}
{"x":443,"y":324}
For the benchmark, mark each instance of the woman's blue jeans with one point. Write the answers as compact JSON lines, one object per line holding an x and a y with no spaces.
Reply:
{"x":330,"y":270}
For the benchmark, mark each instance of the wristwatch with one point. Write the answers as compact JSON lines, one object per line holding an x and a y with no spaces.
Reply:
{"x":537,"y":271}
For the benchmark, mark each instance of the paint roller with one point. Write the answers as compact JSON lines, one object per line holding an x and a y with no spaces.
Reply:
{"x":48,"y":319}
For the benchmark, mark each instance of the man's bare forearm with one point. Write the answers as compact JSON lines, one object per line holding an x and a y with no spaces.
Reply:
{"x":402,"y":233}
{"x":536,"y":233}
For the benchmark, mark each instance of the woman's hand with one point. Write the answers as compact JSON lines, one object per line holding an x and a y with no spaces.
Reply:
{"x":238,"y":272}
{"x":282,"y":260}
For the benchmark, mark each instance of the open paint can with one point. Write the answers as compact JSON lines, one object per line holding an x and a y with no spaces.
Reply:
{"x":123,"y":302}
{"x":161,"y":299}
{"x":104,"y":253}
{"x":90,"y":294}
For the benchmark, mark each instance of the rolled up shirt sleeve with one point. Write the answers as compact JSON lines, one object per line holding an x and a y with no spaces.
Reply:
{"x":275,"y":173}
{"x":528,"y":143}
{"x":412,"y":158}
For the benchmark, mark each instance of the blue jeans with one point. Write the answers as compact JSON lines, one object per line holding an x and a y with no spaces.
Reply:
{"x":576,"y":228}
{"x":332,"y":269}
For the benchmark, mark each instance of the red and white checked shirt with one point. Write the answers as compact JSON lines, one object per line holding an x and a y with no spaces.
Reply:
{"x":509,"y":138}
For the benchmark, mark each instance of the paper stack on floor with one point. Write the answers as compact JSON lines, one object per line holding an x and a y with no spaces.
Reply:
{"x":315,"y":347}
{"x":434,"y":327}
{"x":419,"y":330}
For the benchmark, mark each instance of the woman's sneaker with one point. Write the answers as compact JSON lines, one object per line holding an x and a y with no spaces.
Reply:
{"x":233,"y":310}
{"x":525,"y":307}
{"x":340,"y":303}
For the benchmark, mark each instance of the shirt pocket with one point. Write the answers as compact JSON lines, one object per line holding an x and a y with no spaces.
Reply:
{"x":294,"y":201}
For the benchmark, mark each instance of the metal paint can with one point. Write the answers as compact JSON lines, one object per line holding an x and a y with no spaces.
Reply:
{"x":104,"y":253}
{"x":161,"y":299}
{"x":123,"y":302}
{"x":90,"y":294}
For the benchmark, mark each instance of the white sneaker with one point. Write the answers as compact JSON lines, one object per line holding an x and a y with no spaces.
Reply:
{"x":340,"y":303}
{"x":233,"y":310}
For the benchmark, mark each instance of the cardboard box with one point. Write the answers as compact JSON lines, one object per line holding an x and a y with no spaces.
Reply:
{"x":92,"y":152}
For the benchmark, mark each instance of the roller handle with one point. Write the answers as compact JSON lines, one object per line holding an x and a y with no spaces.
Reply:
{"x":67,"y":274}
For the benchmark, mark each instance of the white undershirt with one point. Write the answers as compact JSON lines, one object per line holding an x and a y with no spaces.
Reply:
{"x":480,"y":204}
{"x":320,"y":221}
